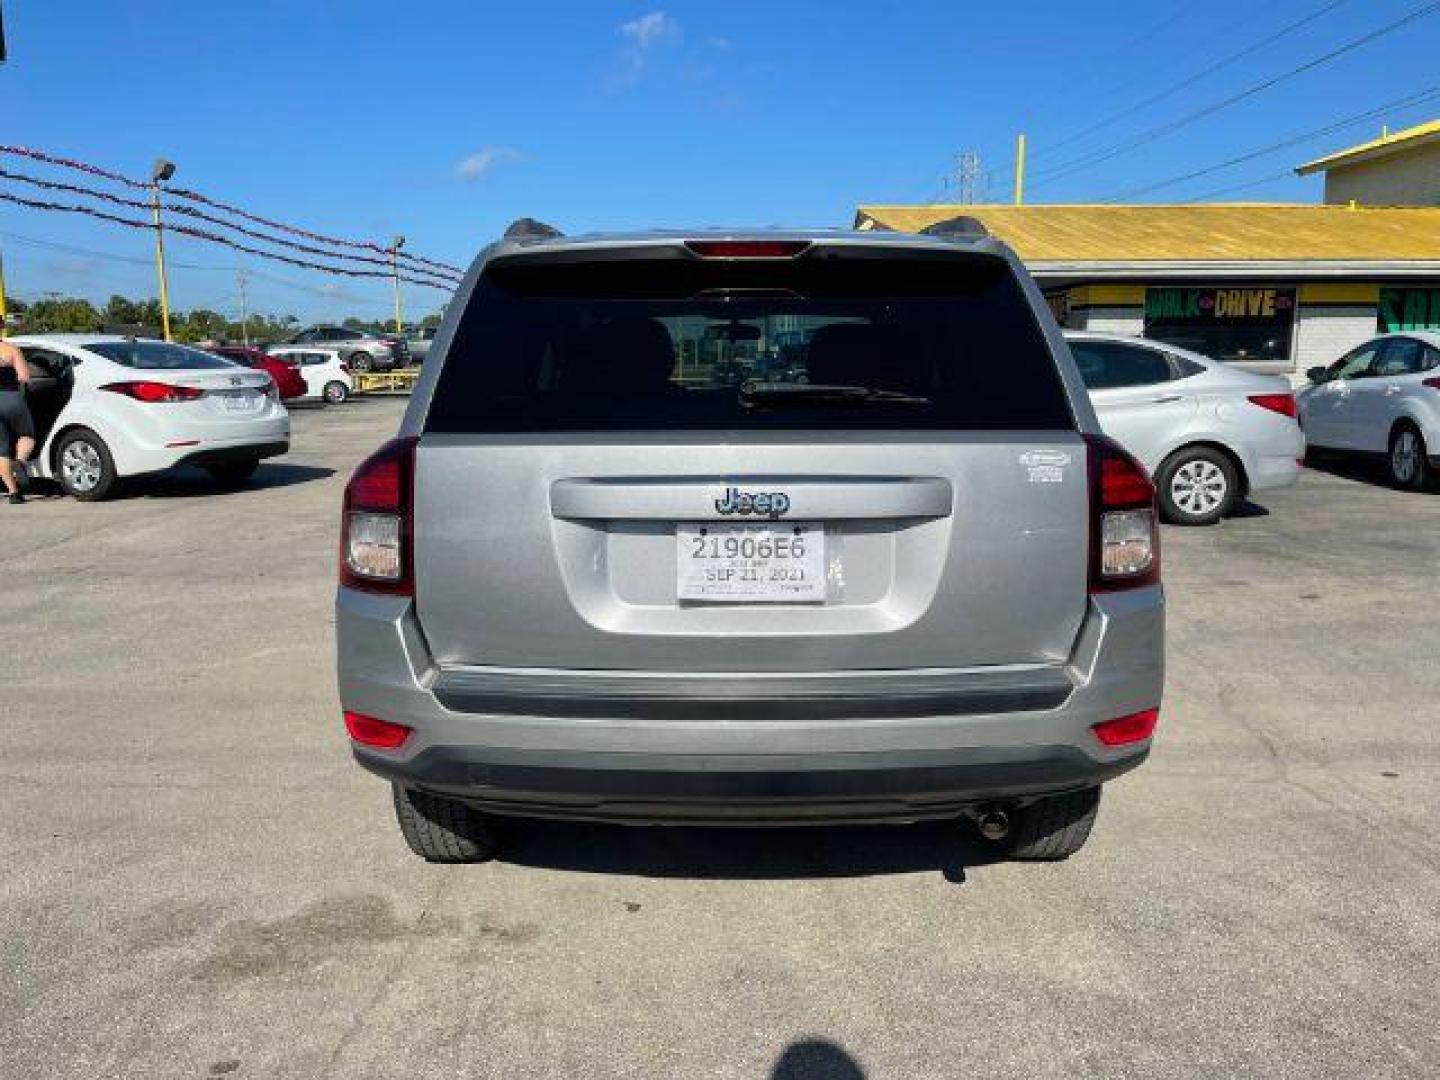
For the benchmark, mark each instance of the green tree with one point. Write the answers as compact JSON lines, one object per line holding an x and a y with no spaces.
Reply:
{"x":62,"y":315}
{"x":119,"y":311}
{"x":202,"y":324}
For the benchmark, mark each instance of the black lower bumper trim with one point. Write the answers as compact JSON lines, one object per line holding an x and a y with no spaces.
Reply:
{"x":229,"y":455}
{"x":720,"y":788}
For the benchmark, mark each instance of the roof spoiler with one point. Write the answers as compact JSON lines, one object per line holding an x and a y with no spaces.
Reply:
{"x":961,"y":225}
{"x":528,"y":228}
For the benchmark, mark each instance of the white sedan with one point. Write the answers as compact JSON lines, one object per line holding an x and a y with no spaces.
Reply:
{"x":109,"y":407}
{"x":1381,"y":398}
{"x":1209,"y":433}
{"x":327,"y":377}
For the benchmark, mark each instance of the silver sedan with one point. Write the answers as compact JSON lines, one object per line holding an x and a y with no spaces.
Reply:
{"x":1209,"y":433}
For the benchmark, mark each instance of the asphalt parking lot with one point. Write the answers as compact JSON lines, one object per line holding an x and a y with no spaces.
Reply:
{"x":198,"y":882}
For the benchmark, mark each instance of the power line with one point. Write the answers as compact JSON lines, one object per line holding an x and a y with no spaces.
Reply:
{"x":1329,"y":129}
{"x":190,"y":211}
{"x":139,"y":185}
{"x":1288,"y":174}
{"x":1191,"y":80}
{"x":216,"y":238}
{"x":70,"y":249}
{"x":1060,"y":171}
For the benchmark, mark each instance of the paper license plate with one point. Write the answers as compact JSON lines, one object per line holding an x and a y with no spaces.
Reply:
{"x":771,"y":562}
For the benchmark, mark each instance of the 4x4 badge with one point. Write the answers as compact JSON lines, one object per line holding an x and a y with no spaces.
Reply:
{"x":770,"y":503}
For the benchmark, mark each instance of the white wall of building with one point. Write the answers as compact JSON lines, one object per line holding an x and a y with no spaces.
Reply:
{"x":1411,"y":178}
{"x":1324,"y":334}
{"x":1117,"y":320}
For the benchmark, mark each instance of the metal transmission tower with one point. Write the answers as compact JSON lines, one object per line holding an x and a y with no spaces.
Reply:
{"x":970,"y":181}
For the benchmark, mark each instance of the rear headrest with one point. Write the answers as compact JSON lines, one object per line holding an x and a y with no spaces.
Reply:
{"x":864,"y":354}
{"x":632,"y":355}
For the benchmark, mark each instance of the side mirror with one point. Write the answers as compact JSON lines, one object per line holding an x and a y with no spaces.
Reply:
{"x":1316,"y":374}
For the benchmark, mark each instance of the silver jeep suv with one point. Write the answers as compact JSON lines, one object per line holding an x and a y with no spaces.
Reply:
{"x":750,"y":527}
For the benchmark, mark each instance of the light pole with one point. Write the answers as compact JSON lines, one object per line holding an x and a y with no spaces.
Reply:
{"x":395,"y":247}
{"x":161,"y":171}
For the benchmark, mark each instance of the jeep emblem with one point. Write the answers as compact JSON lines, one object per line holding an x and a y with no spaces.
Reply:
{"x":765,"y":503}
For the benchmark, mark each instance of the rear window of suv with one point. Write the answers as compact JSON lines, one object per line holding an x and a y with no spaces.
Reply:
{"x":670,"y":342}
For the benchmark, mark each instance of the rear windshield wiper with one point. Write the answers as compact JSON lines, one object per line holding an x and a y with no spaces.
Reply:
{"x":758,"y":395}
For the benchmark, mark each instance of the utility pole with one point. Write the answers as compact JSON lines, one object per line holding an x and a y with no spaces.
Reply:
{"x":240,"y":279}
{"x":1020,"y":169}
{"x":969,"y":177}
{"x":161,"y":171}
{"x":395,"y":247}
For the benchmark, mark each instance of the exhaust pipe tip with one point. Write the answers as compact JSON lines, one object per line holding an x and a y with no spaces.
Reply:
{"x":993,"y":823}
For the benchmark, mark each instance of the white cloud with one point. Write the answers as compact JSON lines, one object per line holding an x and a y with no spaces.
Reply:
{"x":650,"y":29}
{"x":644,"y":35}
{"x":481,"y":163}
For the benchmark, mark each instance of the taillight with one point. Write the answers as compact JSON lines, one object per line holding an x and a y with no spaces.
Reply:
{"x":345,"y":368}
{"x":382,"y":734}
{"x":747,"y":249}
{"x":1124,"y":531}
{"x":152,"y":392}
{"x":376,"y":531}
{"x":1136,"y":727}
{"x":1433,"y":384}
{"x":1284,"y":404}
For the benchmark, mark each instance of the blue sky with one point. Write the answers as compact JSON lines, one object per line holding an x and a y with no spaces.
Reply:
{"x":445,"y":120}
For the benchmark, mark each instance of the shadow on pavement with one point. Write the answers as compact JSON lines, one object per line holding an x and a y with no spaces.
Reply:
{"x":802,"y":851}
{"x":816,"y":1059}
{"x":1361,"y":468}
{"x":190,"y":483}
{"x":1244,"y":509}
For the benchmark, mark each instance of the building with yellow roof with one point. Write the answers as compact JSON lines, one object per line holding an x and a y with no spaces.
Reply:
{"x":1281,"y":286}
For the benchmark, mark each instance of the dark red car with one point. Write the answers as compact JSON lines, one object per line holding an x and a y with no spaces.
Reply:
{"x":288,"y":380}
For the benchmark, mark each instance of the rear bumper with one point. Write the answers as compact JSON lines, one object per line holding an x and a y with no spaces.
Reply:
{"x":205,"y":444}
{"x":746,"y":788}
{"x":763,"y":746}
{"x":1276,"y":471}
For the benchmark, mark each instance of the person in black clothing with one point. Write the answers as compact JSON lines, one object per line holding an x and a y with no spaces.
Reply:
{"x":17,"y":429}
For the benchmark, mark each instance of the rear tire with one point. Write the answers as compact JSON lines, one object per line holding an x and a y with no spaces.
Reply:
{"x":361,"y":361}
{"x":335,"y":393}
{"x":1406,"y":462}
{"x":1197,"y":485}
{"x":1054,"y":828}
{"x":84,"y":467}
{"x":233,"y":472}
{"x":442,"y":830}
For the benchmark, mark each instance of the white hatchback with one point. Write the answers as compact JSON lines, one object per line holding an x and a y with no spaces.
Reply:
{"x":1381,"y":398}
{"x":327,"y":377}
{"x":1209,"y":433}
{"x":109,"y":407}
